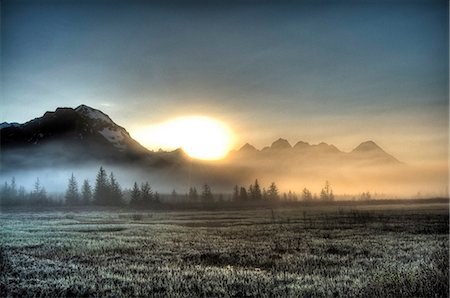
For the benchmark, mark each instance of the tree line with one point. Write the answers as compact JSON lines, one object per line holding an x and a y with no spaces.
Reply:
{"x":107,"y":192}
{"x":254,"y":193}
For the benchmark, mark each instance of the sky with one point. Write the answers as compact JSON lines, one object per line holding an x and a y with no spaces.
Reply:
{"x":340,"y":72}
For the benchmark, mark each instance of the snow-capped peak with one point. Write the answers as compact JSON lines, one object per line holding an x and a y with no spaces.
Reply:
{"x":114,"y":136}
{"x":93,"y":114}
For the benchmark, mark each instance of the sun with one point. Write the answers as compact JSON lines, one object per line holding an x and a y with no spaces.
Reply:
{"x":200,"y":137}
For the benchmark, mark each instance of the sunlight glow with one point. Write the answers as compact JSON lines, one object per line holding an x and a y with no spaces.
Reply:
{"x":199,"y":136}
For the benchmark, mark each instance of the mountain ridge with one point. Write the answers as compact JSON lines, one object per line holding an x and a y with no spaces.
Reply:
{"x":281,"y":143}
{"x":92,"y":134}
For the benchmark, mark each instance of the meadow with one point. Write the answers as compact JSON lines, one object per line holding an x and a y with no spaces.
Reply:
{"x":380,"y":250}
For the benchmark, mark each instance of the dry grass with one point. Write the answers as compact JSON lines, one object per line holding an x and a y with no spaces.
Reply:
{"x":322,"y":252}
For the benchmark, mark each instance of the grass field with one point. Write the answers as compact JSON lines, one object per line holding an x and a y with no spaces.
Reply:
{"x":348,"y":251}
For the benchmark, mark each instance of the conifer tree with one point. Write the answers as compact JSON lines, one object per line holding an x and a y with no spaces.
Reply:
{"x":174,"y":195}
{"x":146,"y":194}
{"x":38,"y":195}
{"x":115,"y":193}
{"x":235,"y":196}
{"x":72,"y":195}
{"x":306,"y":195}
{"x":243,"y":195}
{"x":135,"y":195}
{"x":255,"y":191}
{"x":193,"y":195}
{"x":326,"y":194}
{"x":207,"y":195}
{"x":272,"y":193}
{"x":101,"y":192}
{"x":86,"y":192}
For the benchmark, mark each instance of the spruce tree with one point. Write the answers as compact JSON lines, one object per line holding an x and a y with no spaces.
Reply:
{"x":193,"y":195}
{"x":207,"y":195}
{"x":306,"y":195}
{"x":257,"y":195}
{"x":326,"y":194}
{"x":86,"y":192}
{"x":135,"y":195}
{"x":243,"y":196}
{"x":72,"y":195}
{"x":272,"y":193}
{"x":146,"y":194}
{"x":235,"y":196}
{"x":101,"y":191}
{"x":174,"y":195}
{"x":115,"y":193}
{"x":13,"y":188}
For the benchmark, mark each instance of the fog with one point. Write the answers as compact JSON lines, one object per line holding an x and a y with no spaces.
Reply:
{"x":348,"y":174}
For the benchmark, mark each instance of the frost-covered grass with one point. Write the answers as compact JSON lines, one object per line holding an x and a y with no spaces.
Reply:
{"x":395,"y":251}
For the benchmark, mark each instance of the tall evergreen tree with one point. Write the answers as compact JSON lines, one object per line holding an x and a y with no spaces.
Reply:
{"x":207,"y":195}
{"x":193,"y":194}
{"x":174,"y":195}
{"x":306,"y":195}
{"x":115,"y":193}
{"x":251,"y":192}
{"x":135,"y":195}
{"x":13,"y":187}
{"x":156,"y":198}
{"x":235,"y":196}
{"x":101,"y":191}
{"x":254,"y":191}
{"x":243,"y":196}
{"x":146,"y":194}
{"x":38,"y":195}
{"x":272,"y":193}
{"x":72,"y":195}
{"x":86,"y":192}
{"x":326,"y":194}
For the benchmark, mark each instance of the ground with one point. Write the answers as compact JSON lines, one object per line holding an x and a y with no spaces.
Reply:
{"x":389,"y":250}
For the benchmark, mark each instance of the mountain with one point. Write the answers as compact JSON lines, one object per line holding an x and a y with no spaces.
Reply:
{"x":6,"y":124}
{"x":82,"y":134}
{"x":282,"y":152}
{"x":369,"y":150}
{"x":280,"y":144}
{"x":248,"y":148}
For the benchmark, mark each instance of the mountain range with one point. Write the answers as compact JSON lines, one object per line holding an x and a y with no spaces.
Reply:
{"x":85,"y":134}
{"x":68,"y":139}
{"x":367,"y":152}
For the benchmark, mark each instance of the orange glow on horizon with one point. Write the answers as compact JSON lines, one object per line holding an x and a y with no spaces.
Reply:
{"x":200,"y":137}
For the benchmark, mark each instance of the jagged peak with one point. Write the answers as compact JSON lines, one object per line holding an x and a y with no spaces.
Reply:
{"x":301,"y":144}
{"x":248,"y":147}
{"x":9,"y":124}
{"x":93,"y":113}
{"x":281,"y":144}
{"x":367,"y":146}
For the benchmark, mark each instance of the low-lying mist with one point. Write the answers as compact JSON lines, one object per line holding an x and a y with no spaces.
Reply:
{"x":348,"y":176}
